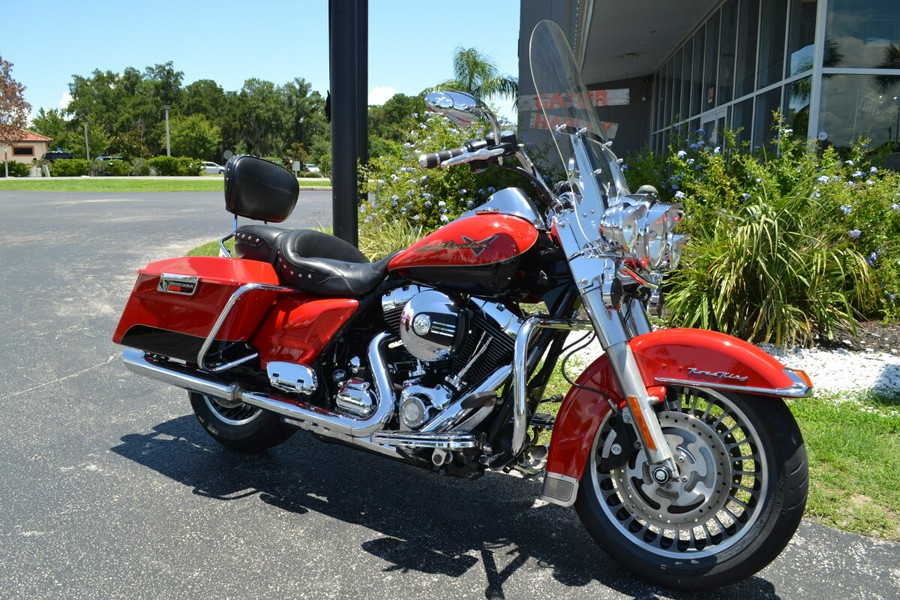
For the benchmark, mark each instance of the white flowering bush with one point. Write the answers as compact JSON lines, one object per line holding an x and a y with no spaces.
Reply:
{"x":788,"y":248}
{"x":404,"y":197}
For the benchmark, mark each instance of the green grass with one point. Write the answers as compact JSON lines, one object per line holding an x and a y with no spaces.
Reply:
{"x":105,"y":184}
{"x":853,"y":445}
{"x":211,"y":248}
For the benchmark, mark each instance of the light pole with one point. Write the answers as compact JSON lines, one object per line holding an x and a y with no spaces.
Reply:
{"x":166,"y":107}
{"x":87,"y":147}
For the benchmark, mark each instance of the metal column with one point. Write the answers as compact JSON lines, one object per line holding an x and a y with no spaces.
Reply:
{"x":348,"y":51}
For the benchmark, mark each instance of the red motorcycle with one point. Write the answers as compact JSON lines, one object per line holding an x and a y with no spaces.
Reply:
{"x":675,"y":446}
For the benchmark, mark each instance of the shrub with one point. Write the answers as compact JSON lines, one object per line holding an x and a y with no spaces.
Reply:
{"x":118,"y":168}
{"x":186,"y":166}
{"x":15,"y":169}
{"x":140,"y":167}
{"x":399,"y":190}
{"x":163,"y":165}
{"x":788,"y":249}
{"x":70,"y":167}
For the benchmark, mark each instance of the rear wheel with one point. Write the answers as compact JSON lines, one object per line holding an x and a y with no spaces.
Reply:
{"x":737,"y":501}
{"x":239,"y":426}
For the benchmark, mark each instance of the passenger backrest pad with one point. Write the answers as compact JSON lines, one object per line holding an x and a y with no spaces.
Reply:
{"x":258,"y":189}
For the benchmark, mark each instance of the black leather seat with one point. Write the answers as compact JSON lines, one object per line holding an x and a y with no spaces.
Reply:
{"x":322,"y":264}
{"x":258,"y":242}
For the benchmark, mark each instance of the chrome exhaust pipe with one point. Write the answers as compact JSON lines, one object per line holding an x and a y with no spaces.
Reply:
{"x":298,"y":413}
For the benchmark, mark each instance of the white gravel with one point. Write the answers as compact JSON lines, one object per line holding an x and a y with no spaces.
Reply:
{"x":842,"y":370}
{"x":834,"y":370}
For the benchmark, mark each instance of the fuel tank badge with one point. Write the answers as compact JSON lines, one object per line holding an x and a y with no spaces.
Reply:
{"x":476,"y":246}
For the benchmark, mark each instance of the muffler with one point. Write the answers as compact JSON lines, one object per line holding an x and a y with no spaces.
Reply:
{"x":301,"y":414}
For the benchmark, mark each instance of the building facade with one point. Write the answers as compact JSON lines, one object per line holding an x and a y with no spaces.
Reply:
{"x":697,"y":67}
{"x":27,"y":147}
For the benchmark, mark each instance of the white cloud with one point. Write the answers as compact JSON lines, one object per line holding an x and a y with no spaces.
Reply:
{"x":380,"y":95}
{"x":64,"y":101}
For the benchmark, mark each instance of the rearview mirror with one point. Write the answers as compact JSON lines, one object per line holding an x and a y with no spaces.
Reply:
{"x":461,"y":108}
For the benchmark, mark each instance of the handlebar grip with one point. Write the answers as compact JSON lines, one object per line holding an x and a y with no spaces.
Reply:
{"x":434,"y":159}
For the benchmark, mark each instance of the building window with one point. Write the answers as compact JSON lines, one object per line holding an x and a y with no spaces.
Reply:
{"x":763,"y":123}
{"x":796,"y":106}
{"x":863,"y":34}
{"x":852,"y":108}
{"x":711,"y":63}
{"x":23,"y":151}
{"x":726,"y":58}
{"x":748,"y":30}
{"x":771,"y":42}
{"x":697,"y":75}
{"x":742,"y":122}
{"x":686,"y":79}
{"x":801,"y":36}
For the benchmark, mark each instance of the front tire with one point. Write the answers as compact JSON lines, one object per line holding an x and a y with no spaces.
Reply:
{"x":739,"y":499}
{"x":239,"y":426}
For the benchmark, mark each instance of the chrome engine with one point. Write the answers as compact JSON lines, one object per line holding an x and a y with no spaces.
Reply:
{"x":454,"y":347}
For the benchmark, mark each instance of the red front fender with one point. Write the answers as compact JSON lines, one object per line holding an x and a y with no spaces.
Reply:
{"x":693,"y":357}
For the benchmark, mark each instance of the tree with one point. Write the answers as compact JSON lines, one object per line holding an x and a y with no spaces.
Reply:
{"x":195,"y":136}
{"x":53,"y":124}
{"x":891,"y":60}
{"x":262,"y":118}
{"x":13,"y":107}
{"x":203,"y":97}
{"x":474,"y":72}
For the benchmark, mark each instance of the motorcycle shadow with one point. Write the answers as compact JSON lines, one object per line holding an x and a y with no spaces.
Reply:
{"x":429,"y":524}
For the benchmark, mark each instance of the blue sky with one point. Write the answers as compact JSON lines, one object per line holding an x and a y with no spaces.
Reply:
{"x":411,"y":42}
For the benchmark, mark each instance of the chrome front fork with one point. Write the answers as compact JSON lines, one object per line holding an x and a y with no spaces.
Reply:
{"x":613,"y":335}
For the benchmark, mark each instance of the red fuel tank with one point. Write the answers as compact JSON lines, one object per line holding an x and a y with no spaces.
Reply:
{"x":478,"y":254}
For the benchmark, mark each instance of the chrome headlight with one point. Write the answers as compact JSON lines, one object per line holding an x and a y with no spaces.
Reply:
{"x":645,"y":230}
{"x":677,"y":241}
{"x":659,"y":222}
{"x":621,"y":224}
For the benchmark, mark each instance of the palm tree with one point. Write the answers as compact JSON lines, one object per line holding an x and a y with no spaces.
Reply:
{"x":474,"y":72}
{"x":883,"y":83}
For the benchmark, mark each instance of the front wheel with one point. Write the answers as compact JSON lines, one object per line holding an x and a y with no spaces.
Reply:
{"x":239,"y":426}
{"x":736,"y":504}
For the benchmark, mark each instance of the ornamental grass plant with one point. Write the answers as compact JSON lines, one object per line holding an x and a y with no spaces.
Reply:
{"x":789,"y":248}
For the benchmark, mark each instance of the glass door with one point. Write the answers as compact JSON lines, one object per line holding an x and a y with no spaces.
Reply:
{"x":713,"y":124}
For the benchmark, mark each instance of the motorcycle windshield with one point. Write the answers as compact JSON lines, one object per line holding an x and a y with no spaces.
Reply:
{"x":565,"y":108}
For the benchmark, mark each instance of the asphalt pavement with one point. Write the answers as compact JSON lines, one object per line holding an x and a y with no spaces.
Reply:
{"x":110,"y":489}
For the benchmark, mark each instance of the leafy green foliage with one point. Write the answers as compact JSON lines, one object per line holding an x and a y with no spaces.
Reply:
{"x":15,"y":169}
{"x":422,"y":200}
{"x":171,"y":165}
{"x":786,"y":250}
{"x":194,"y":135}
{"x":125,"y":115}
{"x":72,"y":167}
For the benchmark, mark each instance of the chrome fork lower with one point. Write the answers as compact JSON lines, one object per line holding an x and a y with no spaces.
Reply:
{"x":611,"y":330}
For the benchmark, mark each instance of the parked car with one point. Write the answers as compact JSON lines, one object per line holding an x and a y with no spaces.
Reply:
{"x":56,"y":155}
{"x":313,"y":168}
{"x":211,"y":168}
{"x":107,"y":157}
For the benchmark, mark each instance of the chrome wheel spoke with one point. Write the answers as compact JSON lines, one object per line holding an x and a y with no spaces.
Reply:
{"x":721,"y":484}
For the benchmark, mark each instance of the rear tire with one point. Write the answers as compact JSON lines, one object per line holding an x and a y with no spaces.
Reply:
{"x":239,"y":426}
{"x":743,"y":492}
